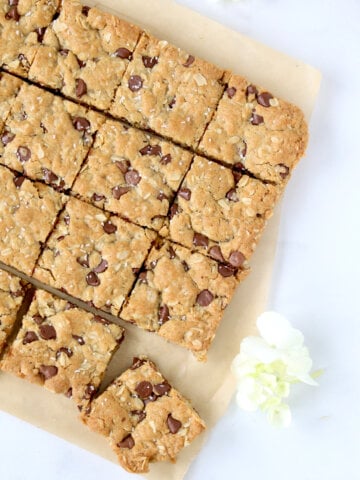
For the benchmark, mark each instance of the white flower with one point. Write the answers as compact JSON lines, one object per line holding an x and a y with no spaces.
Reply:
{"x":266,"y":367}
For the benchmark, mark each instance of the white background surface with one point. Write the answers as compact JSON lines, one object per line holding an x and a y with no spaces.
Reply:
{"x":316,"y":280}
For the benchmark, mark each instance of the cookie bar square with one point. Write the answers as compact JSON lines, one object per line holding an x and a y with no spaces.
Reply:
{"x":9,"y":88}
{"x":93,"y":256}
{"x":132,"y":173}
{"x":22,"y":28}
{"x":168,"y":91}
{"x":181,"y":295}
{"x":47,"y":138}
{"x":254,"y":129}
{"x":28,"y":211}
{"x":220,"y":212}
{"x":85,"y":53}
{"x":63,"y":348}
{"x":144,"y":418}
{"x":12,"y":292}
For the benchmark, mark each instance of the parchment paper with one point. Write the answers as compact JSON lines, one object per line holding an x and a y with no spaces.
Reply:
{"x":209,"y":386}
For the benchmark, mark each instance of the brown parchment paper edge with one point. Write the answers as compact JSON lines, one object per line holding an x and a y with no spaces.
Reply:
{"x":210,"y":386}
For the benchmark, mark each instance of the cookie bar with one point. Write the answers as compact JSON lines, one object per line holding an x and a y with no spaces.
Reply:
{"x":9,"y":87}
{"x":132,"y":173}
{"x":28,"y":211}
{"x":12,"y":293}
{"x":182,"y":295}
{"x":22,"y":27}
{"x":220,"y":212}
{"x":93,"y":256}
{"x":47,"y":138}
{"x":85,"y":53}
{"x":144,"y":418}
{"x":63,"y":348}
{"x":168,"y":91}
{"x":254,"y":129}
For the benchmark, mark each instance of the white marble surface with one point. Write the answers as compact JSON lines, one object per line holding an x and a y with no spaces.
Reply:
{"x":316,"y":278}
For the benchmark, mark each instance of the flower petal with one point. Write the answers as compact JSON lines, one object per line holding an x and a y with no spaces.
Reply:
{"x":279,"y":415}
{"x":277,"y":331}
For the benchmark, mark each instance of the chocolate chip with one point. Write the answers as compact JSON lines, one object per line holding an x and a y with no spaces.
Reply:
{"x":80,"y":87}
{"x":7,"y":137}
{"x":174,"y":210}
{"x":200,"y":240}
{"x":127,"y":442}
{"x":135,"y":270}
{"x":48,"y":371}
{"x":144,"y":389}
{"x":109,"y":227}
{"x":135,"y":83}
{"x":40,"y":32}
{"x":81,"y":63}
{"x":172,"y":103}
{"x":102,"y":267}
{"x":256,"y":119}
{"x":23,"y":154}
{"x":79,"y":339}
{"x":132,"y":177}
{"x":47,"y":332}
{"x":43,"y":128}
{"x":185,"y":193}
{"x":162,"y":196}
{"x":140,"y":414}
{"x":251,"y":90}
{"x":13,"y":14}
{"x":11,"y":3}
{"x":84,"y":261}
{"x":237,"y":175}
{"x":123,"y":53}
{"x":49,"y":176}
{"x":118,"y":191}
{"x":185,"y":265}
{"x":30,"y":337}
{"x":81,"y":124}
{"x":153,"y":264}
{"x":97,"y":197}
{"x":244,"y":150}
{"x":173,"y":424}
{"x":101,"y":320}
{"x":123,"y":165}
{"x":25,"y":63}
{"x":264,"y":99}
{"x":226,"y":270}
{"x":204,"y":298}
{"x":67,"y":219}
{"x":231,"y":91}
{"x":163,"y":315}
{"x":85,"y":10}
{"x":65,"y":350}
{"x":151,"y":150}
{"x":216,"y":254}
{"x":190,"y":60}
{"x":166,"y":159}
{"x":142,"y":277}
{"x":69,"y":306}
{"x":68,"y":394}
{"x":236,"y":259}
{"x":18,"y":181}
{"x":38,"y":319}
{"x":285,"y":172}
{"x":171,"y":253}
{"x":92,"y":279}
{"x":150,"y":62}
{"x":162,"y":388}
{"x":90,"y":391}
{"x":137,"y":362}
{"x":232,"y":196}
{"x":64,"y":52}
